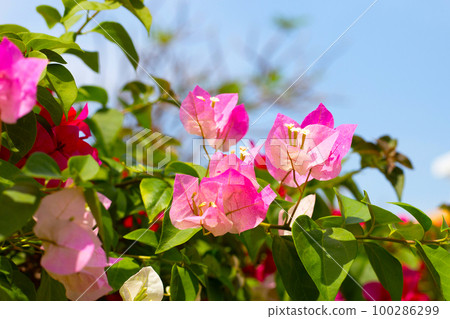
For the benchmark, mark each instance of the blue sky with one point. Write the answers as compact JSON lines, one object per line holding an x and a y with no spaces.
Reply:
{"x":390,"y":73}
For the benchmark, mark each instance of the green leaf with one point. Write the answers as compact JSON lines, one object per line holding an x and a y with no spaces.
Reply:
{"x":382,"y":216}
{"x":46,"y":99}
{"x":39,"y":41}
{"x":172,"y":236}
{"x":353,"y":211}
{"x":327,"y":254}
{"x":101,"y":217}
{"x":121,"y":271}
{"x":183,"y":284}
{"x":397,"y":180}
{"x":18,"y":204}
{"x":53,"y":56}
{"x":296,"y":280}
{"x":330,"y":221}
{"x":50,"y":14}
{"x":8,"y":174}
{"x":117,"y":34}
{"x":144,"y":236}
{"x":444,"y":225}
{"x":84,"y":6}
{"x":50,"y":289}
{"x":89,"y":58}
{"x":388,"y":269}
{"x":107,"y":124}
{"x":84,"y":167}
{"x":63,"y":84}
{"x":41,"y":165}
{"x":12,"y":28}
{"x":23,"y":135}
{"x":156,"y":195}
{"x":14,"y":285}
{"x":409,"y":232}
{"x":437,"y":260}
{"x":419,"y":215}
{"x":181,"y":168}
{"x":253,"y":240}
{"x":92,"y":93}
{"x":138,"y":8}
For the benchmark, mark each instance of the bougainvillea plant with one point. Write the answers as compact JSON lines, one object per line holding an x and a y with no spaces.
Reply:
{"x":87,"y":215}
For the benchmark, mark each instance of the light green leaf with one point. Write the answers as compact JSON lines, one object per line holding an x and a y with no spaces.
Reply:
{"x":121,"y":271}
{"x":353,"y":211}
{"x":156,"y":195}
{"x":144,"y":236}
{"x":84,"y":167}
{"x":92,"y":93}
{"x":138,"y":8}
{"x":327,"y":254}
{"x":50,"y":14}
{"x":18,"y":204}
{"x":39,"y":41}
{"x":409,"y":232}
{"x":444,"y":225}
{"x":107,"y":124}
{"x":419,"y":215}
{"x":63,"y":84}
{"x":172,"y":236}
{"x":12,"y":28}
{"x":388,"y":269}
{"x":117,"y":34}
{"x":437,"y":260}
{"x":83,"y":5}
{"x":41,"y":165}
{"x":296,"y":280}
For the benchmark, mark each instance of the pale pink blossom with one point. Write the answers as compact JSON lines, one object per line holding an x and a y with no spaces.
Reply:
{"x":18,"y":82}
{"x":306,"y":207}
{"x":217,"y":119}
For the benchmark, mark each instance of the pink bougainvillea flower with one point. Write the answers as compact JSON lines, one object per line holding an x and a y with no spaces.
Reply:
{"x":313,"y":149}
{"x":228,"y":202}
{"x":375,"y":291}
{"x":306,"y":207}
{"x":217,"y":119}
{"x":18,"y":82}
{"x":244,"y":164}
{"x":72,"y":251}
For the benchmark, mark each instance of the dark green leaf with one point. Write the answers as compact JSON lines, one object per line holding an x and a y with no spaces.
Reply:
{"x":444,"y":225}
{"x":327,"y":254}
{"x":156,"y":195}
{"x":50,"y":14}
{"x":23,"y":135}
{"x":296,"y":280}
{"x":101,"y":215}
{"x":183,"y":284}
{"x":89,"y":58}
{"x":181,"y":168}
{"x":397,"y":180}
{"x":388,"y":269}
{"x":50,"y":289}
{"x":18,"y":205}
{"x":121,"y":271}
{"x":116,"y":33}
{"x":46,"y":99}
{"x":172,"y":236}
{"x":63,"y":84}
{"x":42,"y":166}
{"x":419,"y":215}
{"x":253,"y":240}
{"x":53,"y":56}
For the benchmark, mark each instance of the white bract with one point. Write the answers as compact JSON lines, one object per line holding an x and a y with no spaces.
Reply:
{"x":143,"y":286}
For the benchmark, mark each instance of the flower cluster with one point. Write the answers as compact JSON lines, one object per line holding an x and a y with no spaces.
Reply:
{"x":228,"y":199}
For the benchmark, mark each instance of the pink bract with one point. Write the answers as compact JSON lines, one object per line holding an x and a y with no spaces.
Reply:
{"x":18,"y":82}
{"x":313,"y":149}
{"x":217,"y":119}
{"x":228,"y":202}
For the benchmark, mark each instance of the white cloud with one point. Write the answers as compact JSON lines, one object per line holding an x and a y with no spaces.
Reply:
{"x":441,"y":166}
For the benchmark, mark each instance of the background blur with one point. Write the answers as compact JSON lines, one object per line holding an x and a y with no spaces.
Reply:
{"x":390,"y":73}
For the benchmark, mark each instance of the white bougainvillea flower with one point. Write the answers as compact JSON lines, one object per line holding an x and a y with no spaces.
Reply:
{"x":143,"y":286}
{"x":306,"y":207}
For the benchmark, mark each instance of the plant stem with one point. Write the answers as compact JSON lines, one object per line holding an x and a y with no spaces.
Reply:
{"x":402,"y":241}
{"x":272,"y":226}
{"x":88,"y":19}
